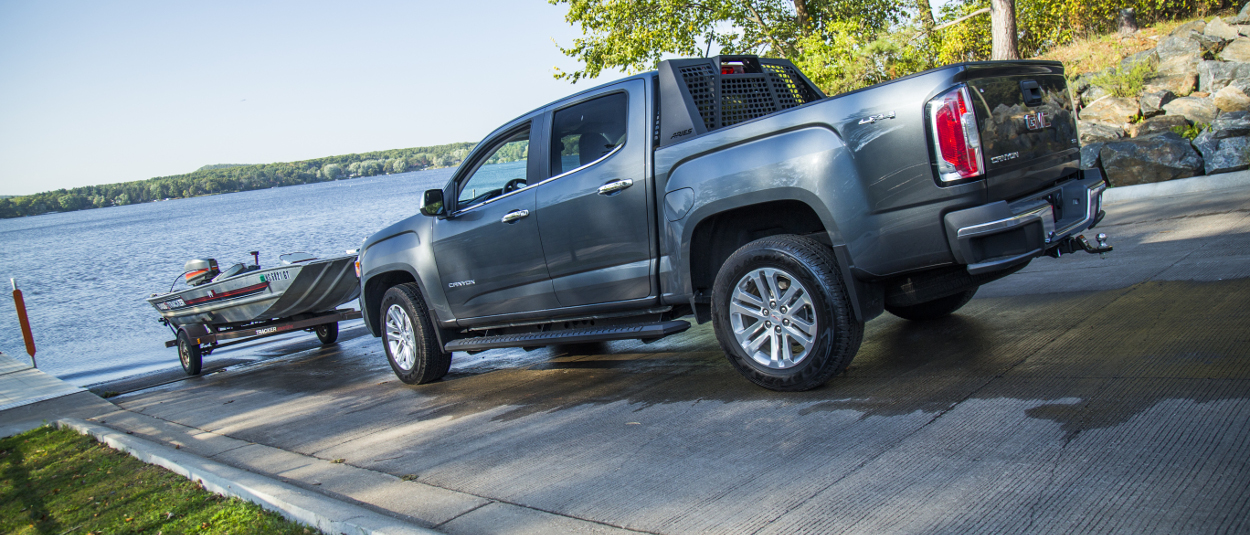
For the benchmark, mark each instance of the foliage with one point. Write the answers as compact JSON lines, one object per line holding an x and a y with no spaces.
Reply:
{"x":1124,"y":83}
{"x":1190,"y":132}
{"x":57,"y":481}
{"x":842,"y":58}
{"x":841,"y":45}
{"x":235,"y":178}
{"x":1046,"y":24}
{"x":634,"y":35}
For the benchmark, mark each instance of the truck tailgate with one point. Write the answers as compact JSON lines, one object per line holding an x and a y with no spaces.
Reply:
{"x":1027,"y":125}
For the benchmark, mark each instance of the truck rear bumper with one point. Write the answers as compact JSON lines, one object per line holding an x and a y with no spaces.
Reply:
{"x":1002,"y":234}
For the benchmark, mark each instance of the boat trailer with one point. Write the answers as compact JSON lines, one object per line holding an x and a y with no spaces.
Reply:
{"x":194,"y":340}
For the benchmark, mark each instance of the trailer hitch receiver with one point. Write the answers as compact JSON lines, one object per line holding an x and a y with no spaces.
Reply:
{"x":1081,"y":243}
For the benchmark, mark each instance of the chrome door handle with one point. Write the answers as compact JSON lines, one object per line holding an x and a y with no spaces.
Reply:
{"x":515,"y":215}
{"x":615,"y":186}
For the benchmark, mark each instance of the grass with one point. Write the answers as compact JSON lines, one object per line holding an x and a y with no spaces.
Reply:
{"x":1124,"y":82}
{"x":57,"y":482}
{"x":1098,"y":52}
{"x":1190,"y":132}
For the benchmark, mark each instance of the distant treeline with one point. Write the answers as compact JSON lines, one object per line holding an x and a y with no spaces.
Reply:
{"x":228,"y":178}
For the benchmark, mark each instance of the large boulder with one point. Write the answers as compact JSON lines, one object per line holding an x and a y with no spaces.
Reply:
{"x":1216,"y":75}
{"x":1223,"y":155}
{"x":1231,"y":99}
{"x":1148,"y":57}
{"x":1179,"y":64}
{"x":1156,"y":125}
{"x":1237,"y":51}
{"x":1196,"y":110}
{"x":1191,"y":26}
{"x":1180,"y":84}
{"x":1177,"y":45}
{"x":1092,"y":132}
{"x":1243,"y":17}
{"x":1150,"y":159}
{"x":1221,"y":29}
{"x":1236,"y":124}
{"x":1092,"y":95}
{"x":1209,"y":44}
{"x":1152,"y":102}
{"x":1111,"y":110}
{"x":1089,"y":155}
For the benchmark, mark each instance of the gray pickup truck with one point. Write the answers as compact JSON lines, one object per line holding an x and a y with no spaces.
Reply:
{"x":732,"y":190}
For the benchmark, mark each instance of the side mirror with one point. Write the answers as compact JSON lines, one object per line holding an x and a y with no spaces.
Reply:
{"x":432,"y":204}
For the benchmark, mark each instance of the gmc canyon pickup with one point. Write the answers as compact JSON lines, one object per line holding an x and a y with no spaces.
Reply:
{"x":732,"y":190}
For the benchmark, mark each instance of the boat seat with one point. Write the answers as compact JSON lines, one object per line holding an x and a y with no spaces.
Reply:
{"x":234,"y":271}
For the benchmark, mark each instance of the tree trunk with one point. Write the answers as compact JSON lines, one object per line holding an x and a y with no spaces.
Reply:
{"x":804,"y":20}
{"x":1127,"y":21}
{"x":1003,"y":25}
{"x":925,"y":12}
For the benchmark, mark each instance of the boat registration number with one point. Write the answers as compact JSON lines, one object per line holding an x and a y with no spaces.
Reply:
{"x":276,"y":276}
{"x":176,"y":302}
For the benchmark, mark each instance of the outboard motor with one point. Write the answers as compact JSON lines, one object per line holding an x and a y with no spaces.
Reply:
{"x":200,"y":271}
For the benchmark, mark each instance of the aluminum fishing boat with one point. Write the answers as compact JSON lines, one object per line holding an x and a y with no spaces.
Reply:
{"x":246,"y":293}
{"x":244,"y":303}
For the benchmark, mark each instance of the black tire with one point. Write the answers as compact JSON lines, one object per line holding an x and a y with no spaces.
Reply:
{"x":931,"y":310}
{"x":328,"y":333}
{"x":837,"y":334}
{"x":189,"y":354}
{"x":427,"y":361}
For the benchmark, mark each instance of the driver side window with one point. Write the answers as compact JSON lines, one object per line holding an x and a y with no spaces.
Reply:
{"x":503,"y":171}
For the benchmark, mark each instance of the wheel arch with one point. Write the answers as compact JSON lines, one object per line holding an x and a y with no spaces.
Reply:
{"x":375,"y":286}
{"x":718,"y":229}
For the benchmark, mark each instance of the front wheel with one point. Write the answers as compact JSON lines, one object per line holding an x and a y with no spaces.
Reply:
{"x":408,"y":336}
{"x":931,"y":310}
{"x":328,"y":333}
{"x":189,"y":353}
{"x":783,"y":316}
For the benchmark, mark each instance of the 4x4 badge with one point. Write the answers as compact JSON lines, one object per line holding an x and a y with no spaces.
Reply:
{"x":878,"y":117}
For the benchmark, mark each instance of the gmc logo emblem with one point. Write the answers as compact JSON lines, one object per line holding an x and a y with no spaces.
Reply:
{"x":1037,"y":121}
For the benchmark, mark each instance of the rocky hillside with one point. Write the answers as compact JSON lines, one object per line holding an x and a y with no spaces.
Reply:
{"x":1196,"y":81}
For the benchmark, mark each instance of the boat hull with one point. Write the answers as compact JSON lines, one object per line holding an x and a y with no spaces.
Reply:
{"x":278,"y":292}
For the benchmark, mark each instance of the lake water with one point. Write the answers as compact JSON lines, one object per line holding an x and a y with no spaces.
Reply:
{"x":84,"y":274}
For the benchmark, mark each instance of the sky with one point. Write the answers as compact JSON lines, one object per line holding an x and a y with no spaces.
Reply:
{"x":96,"y":92}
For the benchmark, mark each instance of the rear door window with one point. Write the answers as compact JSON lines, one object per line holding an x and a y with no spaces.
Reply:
{"x":587,"y":132}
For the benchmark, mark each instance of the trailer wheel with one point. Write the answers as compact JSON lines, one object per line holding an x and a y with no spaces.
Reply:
{"x":328,"y":333}
{"x":189,"y":354}
{"x":782,"y":315}
{"x":408,"y":337}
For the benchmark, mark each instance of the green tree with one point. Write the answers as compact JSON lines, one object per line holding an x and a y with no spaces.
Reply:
{"x":332,"y":171}
{"x":633,"y":35}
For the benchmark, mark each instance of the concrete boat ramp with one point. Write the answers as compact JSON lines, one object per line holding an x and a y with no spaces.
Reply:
{"x":1080,"y":395}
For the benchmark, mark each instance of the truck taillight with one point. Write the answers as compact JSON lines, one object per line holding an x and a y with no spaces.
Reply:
{"x":955,"y":136}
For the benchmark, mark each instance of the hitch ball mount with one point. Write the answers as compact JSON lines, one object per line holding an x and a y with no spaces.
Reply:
{"x":1081,"y":243}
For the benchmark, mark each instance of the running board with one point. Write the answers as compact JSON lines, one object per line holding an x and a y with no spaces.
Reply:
{"x":646,"y":332}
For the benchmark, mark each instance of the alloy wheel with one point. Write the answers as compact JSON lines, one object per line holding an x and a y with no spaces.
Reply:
{"x":773,"y":318}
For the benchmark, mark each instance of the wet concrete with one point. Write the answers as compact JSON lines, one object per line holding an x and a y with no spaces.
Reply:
{"x":1082,"y":394}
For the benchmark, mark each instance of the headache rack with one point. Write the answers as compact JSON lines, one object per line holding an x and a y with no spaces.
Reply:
{"x":701,"y":95}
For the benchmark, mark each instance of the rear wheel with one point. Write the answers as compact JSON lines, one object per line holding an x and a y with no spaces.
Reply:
{"x":328,"y":333}
{"x":782,"y":314}
{"x":408,"y":336}
{"x":189,"y":354}
{"x":931,"y":310}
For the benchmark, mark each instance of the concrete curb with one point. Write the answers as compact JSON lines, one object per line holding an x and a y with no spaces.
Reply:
{"x":1197,"y":184}
{"x":324,"y":513}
